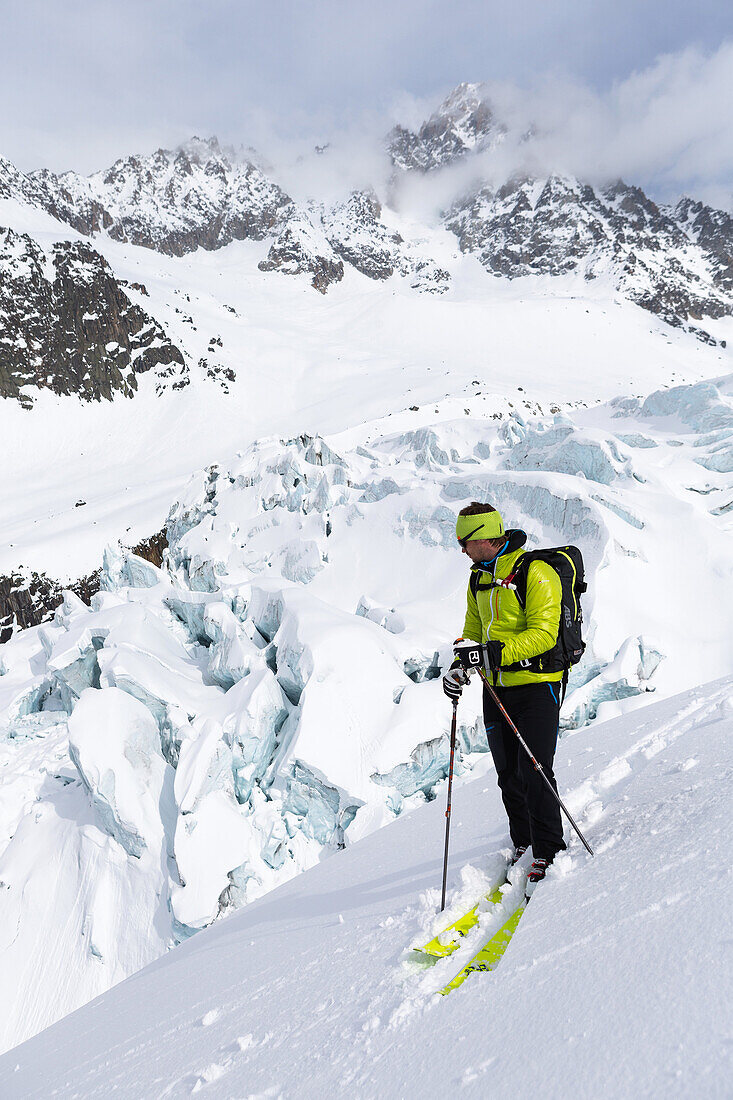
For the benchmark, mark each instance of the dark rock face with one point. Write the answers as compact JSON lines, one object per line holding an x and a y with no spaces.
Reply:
{"x":356,"y":232}
{"x":301,"y":248}
{"x":66,"y":324}
{"x":557,"y":226}
{"x":463,"y":123}
{"x":28,"y":599}
{"x":713,"y":231}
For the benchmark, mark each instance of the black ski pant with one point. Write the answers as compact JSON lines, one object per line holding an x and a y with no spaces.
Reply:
{"x":534,"y":815}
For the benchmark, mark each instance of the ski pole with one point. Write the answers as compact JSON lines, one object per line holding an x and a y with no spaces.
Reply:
{"x":536,"y":763}
{"x":448,"y":807}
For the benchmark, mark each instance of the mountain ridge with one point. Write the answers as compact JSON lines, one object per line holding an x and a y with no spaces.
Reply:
{"x":673,"y":261}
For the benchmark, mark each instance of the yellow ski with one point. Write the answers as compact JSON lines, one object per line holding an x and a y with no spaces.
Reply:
{"x":490,"y":954}
{"x":436,"y":949}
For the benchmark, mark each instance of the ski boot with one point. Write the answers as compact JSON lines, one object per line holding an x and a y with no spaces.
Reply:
{"x":537,"y":872}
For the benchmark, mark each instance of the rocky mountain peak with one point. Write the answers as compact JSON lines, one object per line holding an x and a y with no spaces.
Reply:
{"x":557,"y":225}
{"x":174,"y":201}
{"x":712,"y":230}
{"x":464,"y":123}
{"x":200,"y":150}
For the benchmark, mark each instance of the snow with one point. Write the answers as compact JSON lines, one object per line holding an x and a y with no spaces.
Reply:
{"x":258,"y":709}
{"x":604,"y":991}
{"x":366,"y":351}
{"x":113,"y":741}
{"x":272,"y":695}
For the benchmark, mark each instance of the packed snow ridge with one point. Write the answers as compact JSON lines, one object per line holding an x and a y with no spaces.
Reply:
{"x":206,"y":730}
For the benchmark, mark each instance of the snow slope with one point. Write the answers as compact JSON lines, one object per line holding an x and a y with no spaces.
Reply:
{"x":205,"y":732}
{"x":614,"y":984}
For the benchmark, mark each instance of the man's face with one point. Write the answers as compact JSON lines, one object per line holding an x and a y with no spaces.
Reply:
{"x":482,"y":549}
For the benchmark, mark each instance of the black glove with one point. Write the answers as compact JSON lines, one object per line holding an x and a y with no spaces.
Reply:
{"x":472,"y":655}
{"x":454,"y":681}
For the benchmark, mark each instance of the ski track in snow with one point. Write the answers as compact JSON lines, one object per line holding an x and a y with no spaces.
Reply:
{"x":605,"y":989}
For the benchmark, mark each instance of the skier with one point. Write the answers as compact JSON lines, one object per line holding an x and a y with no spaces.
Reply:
{"x":509,"y":635}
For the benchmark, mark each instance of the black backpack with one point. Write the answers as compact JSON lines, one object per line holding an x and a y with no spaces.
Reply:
{"x":567,"y":561}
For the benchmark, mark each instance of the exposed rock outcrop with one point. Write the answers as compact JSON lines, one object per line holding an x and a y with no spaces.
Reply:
{"x":559,"y":225}
{"x":67,"y":325}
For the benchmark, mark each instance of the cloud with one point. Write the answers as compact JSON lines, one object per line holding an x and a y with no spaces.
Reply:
{"x":608,"y":94}
{"x":667,"y":128}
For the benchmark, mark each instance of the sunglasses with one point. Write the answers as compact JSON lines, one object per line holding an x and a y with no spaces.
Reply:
{"x":462,"y":542}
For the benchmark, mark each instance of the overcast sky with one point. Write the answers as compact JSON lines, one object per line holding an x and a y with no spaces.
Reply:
{"x":645,"y":83}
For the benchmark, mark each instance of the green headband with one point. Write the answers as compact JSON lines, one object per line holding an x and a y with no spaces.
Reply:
{"x":483,"y":525}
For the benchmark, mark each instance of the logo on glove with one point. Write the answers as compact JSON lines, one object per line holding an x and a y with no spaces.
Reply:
{"x":473,"y":655}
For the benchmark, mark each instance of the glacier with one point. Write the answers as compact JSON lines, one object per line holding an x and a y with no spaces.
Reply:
{"x":207,"y":729}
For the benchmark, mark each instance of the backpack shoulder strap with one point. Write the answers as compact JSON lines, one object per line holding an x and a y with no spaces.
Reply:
{"x":519,"y":576}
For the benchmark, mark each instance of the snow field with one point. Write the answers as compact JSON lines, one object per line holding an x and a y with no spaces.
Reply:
{"x":273,"y":693}
{"x":368,"y":350}
{"x":605,"y":989}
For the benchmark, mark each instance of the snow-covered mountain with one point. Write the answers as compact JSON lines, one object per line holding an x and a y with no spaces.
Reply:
{"x":203,"y":196}
{"x":667,"y":261}
{"x":196,"y":196}
{"x":675,"y":262}
{"x":464,"y":123}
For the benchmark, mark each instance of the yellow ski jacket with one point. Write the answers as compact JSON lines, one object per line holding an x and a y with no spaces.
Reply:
{"x":496,"y":614}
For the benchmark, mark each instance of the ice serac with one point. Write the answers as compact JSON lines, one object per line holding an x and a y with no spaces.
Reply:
{"x":212,"y":835}
{"x":707,"y":412}
{"x":253,"y":713}
{"x":562,"y":448}
{"x":232,"y":653}
{"x":627,"y":675}
{"x":114,"y":743}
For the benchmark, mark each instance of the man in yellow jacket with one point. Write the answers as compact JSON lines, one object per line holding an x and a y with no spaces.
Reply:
{"x":509,"y":635}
